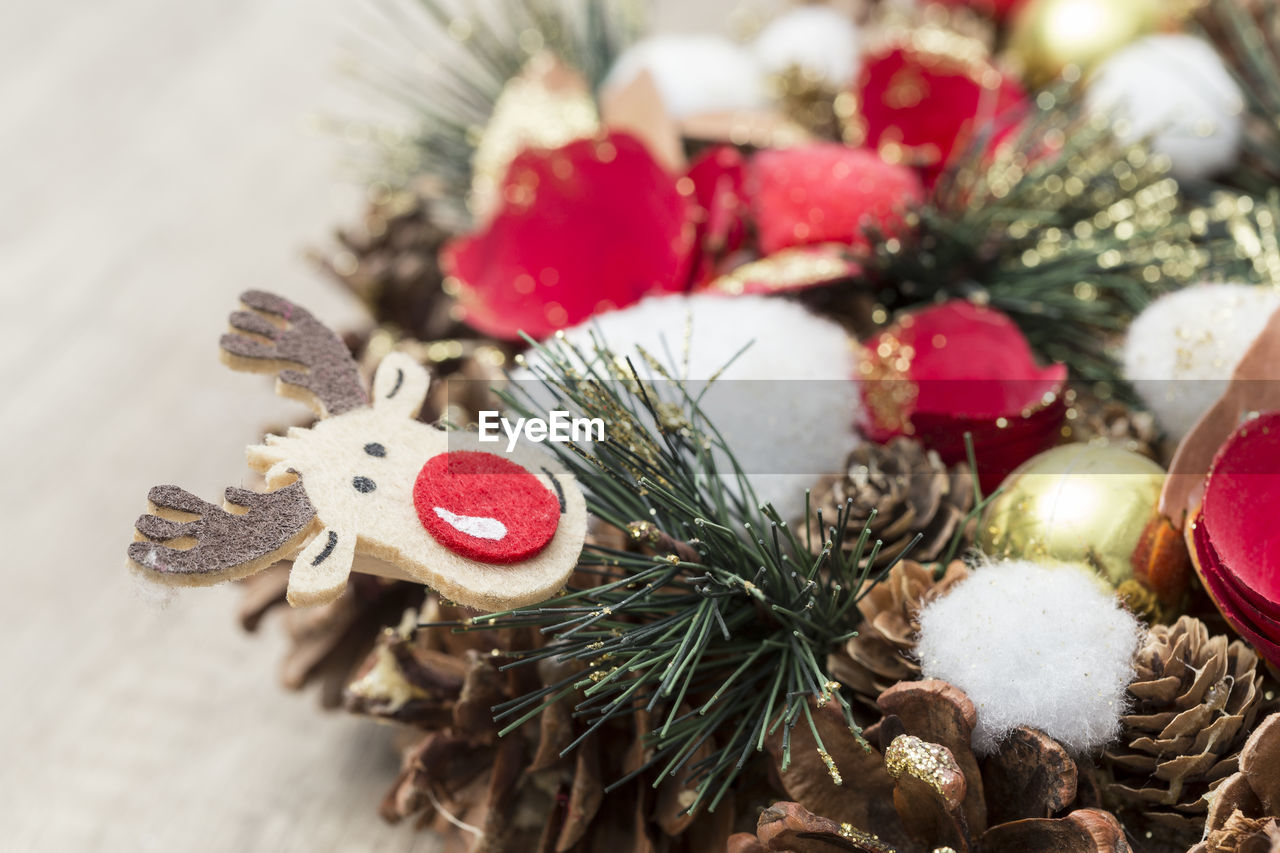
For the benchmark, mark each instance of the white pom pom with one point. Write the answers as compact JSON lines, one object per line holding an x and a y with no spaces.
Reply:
{"x":783,"y":433}
{"x":816,"y":38}
{"x":1183,"y":348}
{"x":694,"y":74}
{"x":1042,"y":646}
{"x":1176,"y":89}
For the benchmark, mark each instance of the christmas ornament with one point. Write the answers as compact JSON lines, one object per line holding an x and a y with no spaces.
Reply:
{"x":1089,"y":505}
{"x":1188,"y":683}
{"x":1033,"y":645}
{"x":1233,"y":537}
{"x":1244,"y":813}
{"x":761,"y":389}
{"x":1049,"y":36}
{"x":828,"y":193}
{"x":899,"y":490}
{"x":883,"y":652}
{"x":919,"y":100}
{"x":1182,"y":349}
{"x":818,"y":40}
{"x":594,"y":225}
{"x":940,"y":372}
{"x":368,"y":488}
{"x":1176,"y":91}
{"x":694,"y":74}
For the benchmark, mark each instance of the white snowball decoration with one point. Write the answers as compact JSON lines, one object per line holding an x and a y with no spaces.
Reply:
{"x":785,"y":431}
{"x":1181,"y":351}
{"x":1176,"y":89}
{"x":817,"y":38}
{"x":694,"y":74}
{"x":1048,"y":647}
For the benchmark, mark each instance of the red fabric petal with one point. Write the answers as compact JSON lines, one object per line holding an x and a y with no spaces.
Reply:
{"x":594,"y":225}
{"x":1238,"y":522}
{"x":718,"y":177}
{"x":956,"y":368}
{"x":1261,"y":632}
{"x":923,"y":107}
{"x":827,"y":193}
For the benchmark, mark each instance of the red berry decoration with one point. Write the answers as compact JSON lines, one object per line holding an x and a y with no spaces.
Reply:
{"x":1234,"y":539}
{"x":827,"y":193}
{"x":920,"y":107}
{"x":485,"y":507}
{"x":955,"y":368}
{"x":594,"y":225}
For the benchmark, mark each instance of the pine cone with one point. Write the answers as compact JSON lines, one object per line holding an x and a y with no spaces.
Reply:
{"x":328,"y":643}
{"x":881,"y":654}
{"x":1196,"y":700}
{"x":390,"y":263}
{"x":1094,"y":420}
{"x":1244,"y":814}
{"x":910,"y":490}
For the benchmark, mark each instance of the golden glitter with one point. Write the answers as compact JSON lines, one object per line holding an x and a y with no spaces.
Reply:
{"x":832,"y":770}
{"x":788,"y":269}
{"x":928,"y":762}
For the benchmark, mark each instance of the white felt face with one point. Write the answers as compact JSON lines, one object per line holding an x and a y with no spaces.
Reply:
{"x":359,"y":470}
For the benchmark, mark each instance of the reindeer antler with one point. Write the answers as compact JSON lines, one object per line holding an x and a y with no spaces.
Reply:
{"x":276,"y":335}
{"x":223,"y":545}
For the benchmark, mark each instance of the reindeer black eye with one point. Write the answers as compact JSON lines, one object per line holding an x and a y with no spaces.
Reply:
{"x":375,"y":449}
{"x":364,"y":484}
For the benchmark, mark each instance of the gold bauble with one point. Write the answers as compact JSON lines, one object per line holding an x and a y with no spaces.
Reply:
{"x":1050,"y":35}
{"x":1078,"y":503}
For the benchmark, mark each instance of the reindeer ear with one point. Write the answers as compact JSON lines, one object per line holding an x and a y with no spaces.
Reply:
{"x":320,"y":572}
{"x":400,"y":385}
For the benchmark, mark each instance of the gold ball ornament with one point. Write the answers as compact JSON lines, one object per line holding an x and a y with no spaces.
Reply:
{"x":1048,"y":36}
{"x":1095,"y":505}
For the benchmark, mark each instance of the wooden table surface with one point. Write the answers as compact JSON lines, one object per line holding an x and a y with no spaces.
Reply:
{"x":157,"y":158}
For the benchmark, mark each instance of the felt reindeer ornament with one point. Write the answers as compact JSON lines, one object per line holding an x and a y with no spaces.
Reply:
{"x":368,"y":488}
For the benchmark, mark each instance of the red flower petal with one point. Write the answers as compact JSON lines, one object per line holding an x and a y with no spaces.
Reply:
{"x":921,"y":107}
{"x":1235,"y":537}
{"x":957,"y":368}
{"x":827,"y":193}
{"x":593,"y":225}
{"x":718,"y":177}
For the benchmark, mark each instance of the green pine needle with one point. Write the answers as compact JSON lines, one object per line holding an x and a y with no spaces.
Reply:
{"x":721,"y":632}
{"x":1065,"y":228}
{"x":446,"y":63}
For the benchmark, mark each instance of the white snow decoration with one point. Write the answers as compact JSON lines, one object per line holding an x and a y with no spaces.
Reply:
{"x":694,"y":74}
{"x":1048,"y":647}
{"x":818,"y":39}
{"x":1176,"y":89}
{"x":1182,"y":349}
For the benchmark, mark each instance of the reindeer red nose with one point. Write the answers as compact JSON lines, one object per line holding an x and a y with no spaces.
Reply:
{"x":482,"y":506}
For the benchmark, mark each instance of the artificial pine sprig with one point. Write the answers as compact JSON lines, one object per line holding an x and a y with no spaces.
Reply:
{"x":1248,"y":35}
{"x":447,"y":63}
{"x":1064,"y":227}
{"x":720,"y":632}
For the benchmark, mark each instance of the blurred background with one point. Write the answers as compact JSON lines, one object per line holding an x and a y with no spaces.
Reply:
{"x":158,"y":158}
